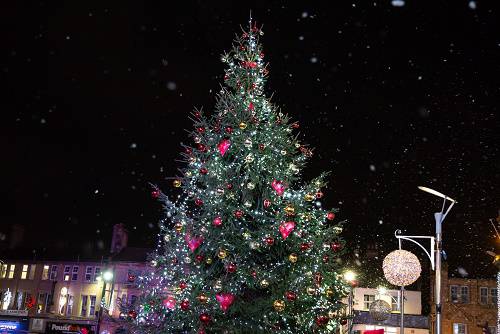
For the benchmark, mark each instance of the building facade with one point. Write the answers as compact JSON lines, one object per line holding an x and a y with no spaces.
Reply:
{"x":468,"y":305}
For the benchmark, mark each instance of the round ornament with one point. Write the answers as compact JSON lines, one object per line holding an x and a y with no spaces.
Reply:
{"x":264,"y":283}
{"x":309,"y":197}
{"x":182,"y":285}
{"x":329,"y":293}
{"x":178,"y":227}
{"x":254,"y":245}
{"x":247,"y":204}
{"x":293,"y":257}
{"x":205,"y":318}
{"x":330,"y":216}
{"x":185,"y":305}
{"x":222,"y":254}
{"x":242,"y":125}
{"x":238,"y":213}
{"x":202,"y":298}
{"x":279,"y":305}
{"x":231,"y":267}
{"x":401,"y":268}
{"x":247,"y":143}
{"x":217,"y":221}
{"x":336,"y":246}
{"x":311,"y":291}
{"x":155,"y":193}
{"x":380,"y":310}
{"x":251,"y":185}
{"x":289,"y":210}
{"x":208,"y":260}
{"x":267,"y":203}
{"x":269,"y":241}
{"x":290,"y":295}
{"x":177,"y":183}
{"x":218,"y":285}
{"x":249,"y":158}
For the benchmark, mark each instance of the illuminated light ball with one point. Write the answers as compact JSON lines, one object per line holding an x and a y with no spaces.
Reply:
{"x":326,"y":258}
{"x":247,"y":143}
{"x":231,"y":267}
{"x":202,"y":147}
{"x":329,"y":293}
{"x":155,"y":193}
{"x":222,"y":254}
{"x":217,"y":221}
{"x":238,"y":213}
{"x":267,"y":203}
{"x":290,"y":295}
{"x":319,"y":194}
{"x":177,"y":183}
{"x":254,"y":245}
{"x":336,"y":246}
{"x":197,"y":114}
{"x":305,"y":246}
{"x":262,"y":147}
{"x":169,"y":302}
{"x":326,"y":247}
{"x":220,"y":191}
{"x":187,"y":259}
{"x":228,"y":130}
{"x":218,"y":285}
{"x":247,"y":204}
{"x":188,"y":173}
{"x":198,"y":202}
{"x":254,"y":274}
{"x":309,"y":197}
{"x":182,"y":285}
{"x":337,"y":229}
{"x":203,"y":170}
{"x":229,"y":186}
{"x":401,"y":268}
{"x":279,"y":305}
{"x":283,"y":152}
{"x":205,"y":318}
{"x":185,"y":305}
{"x":249,"y":158}
{"x":197,"y":140}
{"x":178,"y":227}
{"x":289,"y":210}
{"x":293,"y":257}
{"x":202,"y":298}
{"x":380,"y":310}
{"x":330,"y":216}
{"x":322,"y":320}
{"x":311,"y":291}
{"x":269,"y":241}
{"x":242,"y":125}
{"x":264,"y":283}
{"x":208,"y":260}
{"x":200,"y":129}
{"x":251,"y":185}
{"x":166,"y":237}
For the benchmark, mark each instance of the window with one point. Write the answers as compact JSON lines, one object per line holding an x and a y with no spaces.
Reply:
{"x":464,"y":292}
{"x":394,"y":304}
{"x":32,"y":271}
{"x":454,"y":294}
{"x":88,"y":274}
{"x":74,"y":275}
{"x":368,"y":300}
{"x":3,"y":271}
{"x":24,"y":273}
{"x":19,"y":302}
{"x":83,"y":310}
{"x":493,"y":295}
{"x":41,"y":302}
{"x":12,"y":269}
{"x":92,"y":306}
{"x":66,"y":272}
{"x":459,"y":328}
{"x":97,"y":273}
{"x":483,"y":295}
{"x":45,"y":273}
{"x":69,"y":309}
{"x":48,"y":302}
{"x":53,"y":273}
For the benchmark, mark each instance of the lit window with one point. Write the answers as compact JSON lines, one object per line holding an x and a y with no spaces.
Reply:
{"x":74,"y":275}
{"x":459,"y":328}
{"x":66,"y":272}
{"x":69,"y":308}
{"x":53,"y":273}
{"x":32,"y":272}
{"x":83,"y":311}
{"x":3,"y":271}
{"x":88,"y":273}
{"x":45,"y":273}
{"x":97,"y":273}
{"x":12,"y":269}
{"x":92,"y":306}
{"x":368,"y":300}
{"x":483,"y":295}
{"x":24,"y":273}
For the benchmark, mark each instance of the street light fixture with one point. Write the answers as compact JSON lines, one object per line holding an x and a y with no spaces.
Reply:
{"x":107,"y":275}
{"x":350,"y":277}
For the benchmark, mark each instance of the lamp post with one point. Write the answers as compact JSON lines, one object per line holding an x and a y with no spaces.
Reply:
{"x":105,"y":277}
{"x":350,"y":277}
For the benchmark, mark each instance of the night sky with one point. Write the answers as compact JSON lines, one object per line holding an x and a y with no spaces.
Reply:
{"x":391,"y":94}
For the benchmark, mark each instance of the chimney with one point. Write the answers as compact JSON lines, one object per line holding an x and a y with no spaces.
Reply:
{"x":120,"y":238}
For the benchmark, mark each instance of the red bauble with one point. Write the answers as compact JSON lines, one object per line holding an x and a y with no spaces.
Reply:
{"x":290,"y":295}
{"x":229,"y":186}
{"x":295,"y":125}
{"x":251,"y":106}
{"x":217,"y":221}
{"x":182,"y":285}
{"x":202,"y":147}
{"x":185,"y":305}
{"x":229,"y":130}
{"x":242,"y":48}
{"x":262,"y":147}
{"x":326,"y":258}
{"x":319,"y":194}
{"x":267,"y":203}
{"x":269,"y":241}
{"x":226,"y":77}
{"x":330,"y":216}
{"x":200,"y":129}
{"x":238,"y":213}
{"x":304,"y":246}
{"x":198,"y":202}
{"x":343,"y":322}
{"x":155,"y":193}
{"x":203,"y":170}
{"x":318,"y":277}
{"x":132,"y":314}
{"x":197,"y":114}
{"x":261,"y":55}
{"x":188,"y":150}
{"x":199,"y":258}
{"x":321,"y":320}
{"x":254,"y":274}
{"x":205,"y":318}
{"x":335,"y":246}
{"x":231,"y":268}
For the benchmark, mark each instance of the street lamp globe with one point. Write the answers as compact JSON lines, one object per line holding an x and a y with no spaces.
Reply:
{"x":107,"y":275}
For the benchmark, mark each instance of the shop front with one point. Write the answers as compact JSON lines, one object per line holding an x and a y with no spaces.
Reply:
{"x":14,"y":322}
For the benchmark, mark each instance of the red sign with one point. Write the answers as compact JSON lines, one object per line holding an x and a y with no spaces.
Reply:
{"x":374,"y":331}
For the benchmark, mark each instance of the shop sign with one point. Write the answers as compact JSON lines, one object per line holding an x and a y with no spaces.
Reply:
{"x":65,"y":328}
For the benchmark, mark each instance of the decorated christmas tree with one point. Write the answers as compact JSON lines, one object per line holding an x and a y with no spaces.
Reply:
{"x":245,"y":246}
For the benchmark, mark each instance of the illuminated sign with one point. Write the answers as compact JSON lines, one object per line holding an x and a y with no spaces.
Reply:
{"x":8,"y":325}
{"x":65,"y":328}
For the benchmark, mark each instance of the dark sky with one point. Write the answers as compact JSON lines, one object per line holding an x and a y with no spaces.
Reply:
{"x":391,"y":94}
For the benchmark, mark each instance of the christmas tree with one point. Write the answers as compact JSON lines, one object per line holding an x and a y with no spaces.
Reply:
{"x":246,"y":246}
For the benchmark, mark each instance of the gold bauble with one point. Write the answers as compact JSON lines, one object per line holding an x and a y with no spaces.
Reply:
{"x":264,"y":283}
{"x":332,"y":314}
{"x":178,"y":227}
{"x":208,"y":260}
{"x":189,"y":173}
{"x":177,"y":183}
{"x":309,"y":197}
{"x":289,"y":210}
{"x":279,"y":305}
{"x":254,"y":244}
{"x":292,"y":257}
{"x":242,"y":125}
{"x":222,"y":254}
{"x":329,"y":293}
{"x":218,"y":285}
{"x":311,"y":291}
{"x":202,"y":298}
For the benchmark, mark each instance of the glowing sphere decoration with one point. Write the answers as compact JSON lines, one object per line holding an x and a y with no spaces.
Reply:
{"x":380,"y":310}
{"x":401,"y":267}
